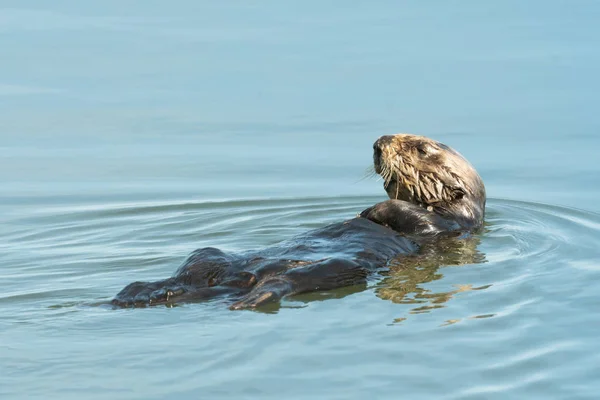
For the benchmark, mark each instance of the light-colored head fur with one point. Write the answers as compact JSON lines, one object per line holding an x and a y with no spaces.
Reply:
{"x":430,"y":174}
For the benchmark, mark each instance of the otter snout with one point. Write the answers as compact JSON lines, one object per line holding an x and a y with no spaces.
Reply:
{"x":378,"y":146}
{"x":377,"y":158}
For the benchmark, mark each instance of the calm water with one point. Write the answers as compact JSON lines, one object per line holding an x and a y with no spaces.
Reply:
{"x":132,"y":133}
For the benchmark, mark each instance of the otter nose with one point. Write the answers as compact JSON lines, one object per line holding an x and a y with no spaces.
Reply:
{"x":383,"y":141}
{"x":377,"y":150}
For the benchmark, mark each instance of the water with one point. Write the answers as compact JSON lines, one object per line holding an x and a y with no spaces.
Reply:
{"x":133,"y":133}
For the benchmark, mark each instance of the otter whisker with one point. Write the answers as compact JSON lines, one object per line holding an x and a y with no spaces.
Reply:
{"x":368,"y":174}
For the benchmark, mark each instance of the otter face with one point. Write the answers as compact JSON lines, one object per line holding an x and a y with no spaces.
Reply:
{"x":430,"y":174}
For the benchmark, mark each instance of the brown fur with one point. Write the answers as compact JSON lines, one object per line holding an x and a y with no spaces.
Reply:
{"x":430,"y":174}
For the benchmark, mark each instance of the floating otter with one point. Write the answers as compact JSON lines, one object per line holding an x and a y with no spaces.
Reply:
{"x":434,"y":194}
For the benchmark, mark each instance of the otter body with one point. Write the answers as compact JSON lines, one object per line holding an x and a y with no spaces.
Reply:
{"x":434,"y":193}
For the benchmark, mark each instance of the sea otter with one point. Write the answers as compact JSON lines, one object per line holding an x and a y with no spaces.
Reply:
{"x":434,"y":194}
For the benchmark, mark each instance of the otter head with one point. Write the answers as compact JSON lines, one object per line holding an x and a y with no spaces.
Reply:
{"x":430,"y":174}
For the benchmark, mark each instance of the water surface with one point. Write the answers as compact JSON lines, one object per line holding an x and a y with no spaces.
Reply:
{"x":133,"y":133}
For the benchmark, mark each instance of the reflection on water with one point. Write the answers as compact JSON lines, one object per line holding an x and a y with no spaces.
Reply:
{"x":404,"y":282}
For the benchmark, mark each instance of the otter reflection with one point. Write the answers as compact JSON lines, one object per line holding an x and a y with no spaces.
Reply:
{"x":402,"y":282}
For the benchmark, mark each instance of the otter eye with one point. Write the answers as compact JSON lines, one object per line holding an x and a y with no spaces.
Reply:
{"x":458,"y":194}
{"x":421,"y":149}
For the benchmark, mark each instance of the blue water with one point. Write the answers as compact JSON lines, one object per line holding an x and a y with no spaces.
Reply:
{"x":132,"y":133}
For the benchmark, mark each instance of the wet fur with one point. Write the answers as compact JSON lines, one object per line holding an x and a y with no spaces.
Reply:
{"x":434,"y":193}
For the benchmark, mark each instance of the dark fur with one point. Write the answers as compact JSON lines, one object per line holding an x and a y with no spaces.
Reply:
{"x":337,"y":255}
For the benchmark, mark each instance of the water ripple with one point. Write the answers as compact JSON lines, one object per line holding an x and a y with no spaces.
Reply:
{"x":515,"y":305}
